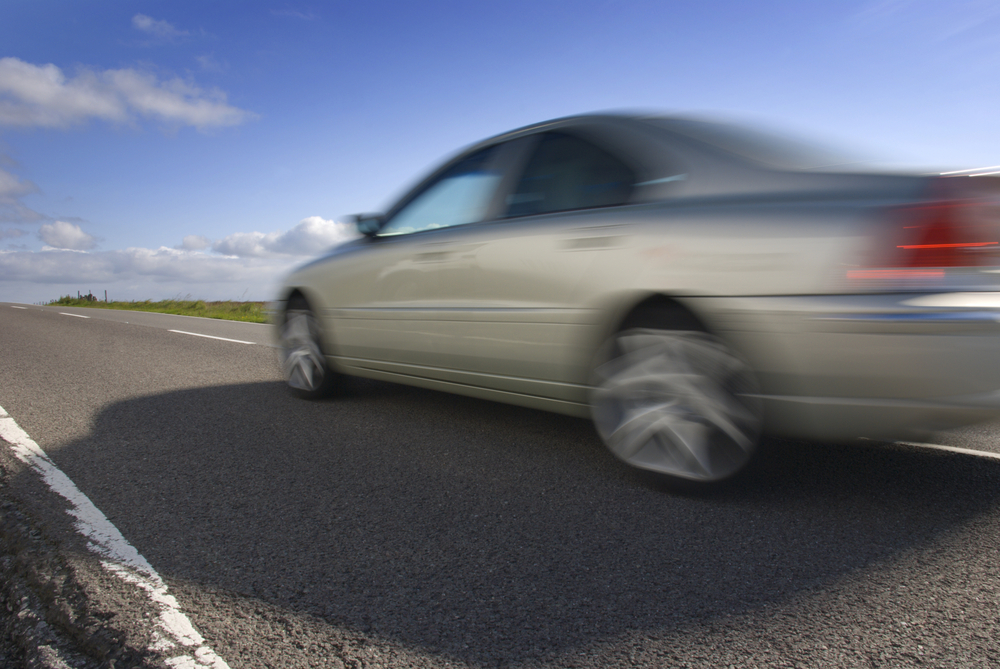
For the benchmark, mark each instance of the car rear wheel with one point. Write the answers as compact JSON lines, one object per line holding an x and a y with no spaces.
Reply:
{"x":677,"y":402}
{"x":302,"y":360}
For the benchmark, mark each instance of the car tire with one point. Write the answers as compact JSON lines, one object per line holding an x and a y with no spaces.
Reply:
{"x":303,"y":362}
{"x":678,"y":402}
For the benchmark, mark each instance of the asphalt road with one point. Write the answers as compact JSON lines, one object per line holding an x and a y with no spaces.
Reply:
{"x":394,"y":527}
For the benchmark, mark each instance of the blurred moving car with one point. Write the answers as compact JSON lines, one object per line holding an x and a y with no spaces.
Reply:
{"x":687,"y":285}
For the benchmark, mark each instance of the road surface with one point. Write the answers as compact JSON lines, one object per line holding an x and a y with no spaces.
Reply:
{"x":395,"y":527}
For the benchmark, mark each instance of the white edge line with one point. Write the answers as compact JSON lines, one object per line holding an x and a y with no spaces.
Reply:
{"x":953,"y":449}
{"x":63,"y":313}
{"x":119,"y":556}
{"x":17,"y":307}
{"x":195,"y":334}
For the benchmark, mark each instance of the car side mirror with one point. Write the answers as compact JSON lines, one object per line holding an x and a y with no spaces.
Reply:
{"x":367,"y":224}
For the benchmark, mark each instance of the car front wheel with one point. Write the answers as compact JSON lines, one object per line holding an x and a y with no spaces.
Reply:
{"x":677,"y":402}
{"x":302,"y":360}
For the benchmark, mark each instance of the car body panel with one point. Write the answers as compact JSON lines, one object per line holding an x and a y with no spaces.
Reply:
{"x":515,"y":309}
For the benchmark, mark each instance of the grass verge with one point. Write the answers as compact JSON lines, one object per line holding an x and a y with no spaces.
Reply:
{"x":252,"y":312}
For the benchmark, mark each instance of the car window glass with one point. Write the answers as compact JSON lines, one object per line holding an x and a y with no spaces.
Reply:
{"x":461,"y":195}
{"x":566,"y":172}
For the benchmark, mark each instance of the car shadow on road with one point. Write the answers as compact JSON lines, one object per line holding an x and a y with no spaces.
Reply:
{"x":489,"y":533}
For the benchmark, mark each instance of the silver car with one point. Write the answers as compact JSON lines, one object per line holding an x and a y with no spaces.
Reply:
{"x":689,"y":286}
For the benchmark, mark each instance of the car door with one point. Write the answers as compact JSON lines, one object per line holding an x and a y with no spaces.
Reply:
{"x":384,"y":298}
{"x":510,"y":293}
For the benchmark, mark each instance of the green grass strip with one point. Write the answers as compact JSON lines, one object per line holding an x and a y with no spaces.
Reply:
{"x":252,"y":312}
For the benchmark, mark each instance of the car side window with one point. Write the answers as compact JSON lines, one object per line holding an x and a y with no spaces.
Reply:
{"x":459,"y":196}
{"x":565,"y":173}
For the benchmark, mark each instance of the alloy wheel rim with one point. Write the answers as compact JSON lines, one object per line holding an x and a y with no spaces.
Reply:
{"x":303,"y":363}
{"x":678,"y":402}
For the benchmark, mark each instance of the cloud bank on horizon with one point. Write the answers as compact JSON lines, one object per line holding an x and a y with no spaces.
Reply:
{"x":245,"y":262}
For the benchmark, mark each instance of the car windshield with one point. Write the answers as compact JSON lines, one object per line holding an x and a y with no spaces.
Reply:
{"x":760,"y":146}
{"x":460,"y":196}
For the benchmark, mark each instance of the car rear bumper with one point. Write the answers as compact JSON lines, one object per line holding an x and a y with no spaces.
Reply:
{"x":885,"y":366}
{"x":846,"y":418}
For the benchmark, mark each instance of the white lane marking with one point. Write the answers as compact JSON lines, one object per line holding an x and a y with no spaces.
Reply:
{"x":195,"y":334}
{"x":952,"y":449}
{"x":120,"y":557}
{"x":63,"y":313}
{"x":13,"y":307}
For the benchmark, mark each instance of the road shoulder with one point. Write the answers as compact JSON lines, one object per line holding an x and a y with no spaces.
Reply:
{"x":54,"y":602}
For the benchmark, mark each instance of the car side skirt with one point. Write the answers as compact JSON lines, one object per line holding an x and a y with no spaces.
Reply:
{"x":412,"y":375}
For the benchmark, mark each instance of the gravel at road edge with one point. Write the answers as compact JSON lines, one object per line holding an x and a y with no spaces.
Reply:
{"x":45,"y":618}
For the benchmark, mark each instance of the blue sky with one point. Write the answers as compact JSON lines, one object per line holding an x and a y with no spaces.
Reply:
{"x":162,"y":149}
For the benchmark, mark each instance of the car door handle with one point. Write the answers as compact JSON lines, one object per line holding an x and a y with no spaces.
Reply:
{"x":434,"y":252}
{"x":593,"y":237}
{"x":432,"y":257}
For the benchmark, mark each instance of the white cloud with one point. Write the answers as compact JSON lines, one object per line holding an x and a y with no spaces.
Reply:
{"x":12,"y":233}
{"x":63,"y":235}
{"x":138,"y":274}
{"x":54,"y":266}
{"x":41,"y":95}
{"x":195,"y":243}
{"x":310,"y":237}
{"x":159,"y":29}
{"x":251,"y":269}
{"x":209,"y":63}
{"x":12,"y":189}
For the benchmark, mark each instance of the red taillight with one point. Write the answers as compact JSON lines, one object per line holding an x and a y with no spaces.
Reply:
{"x":942,"y":234}
{"x":957,"y":226}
